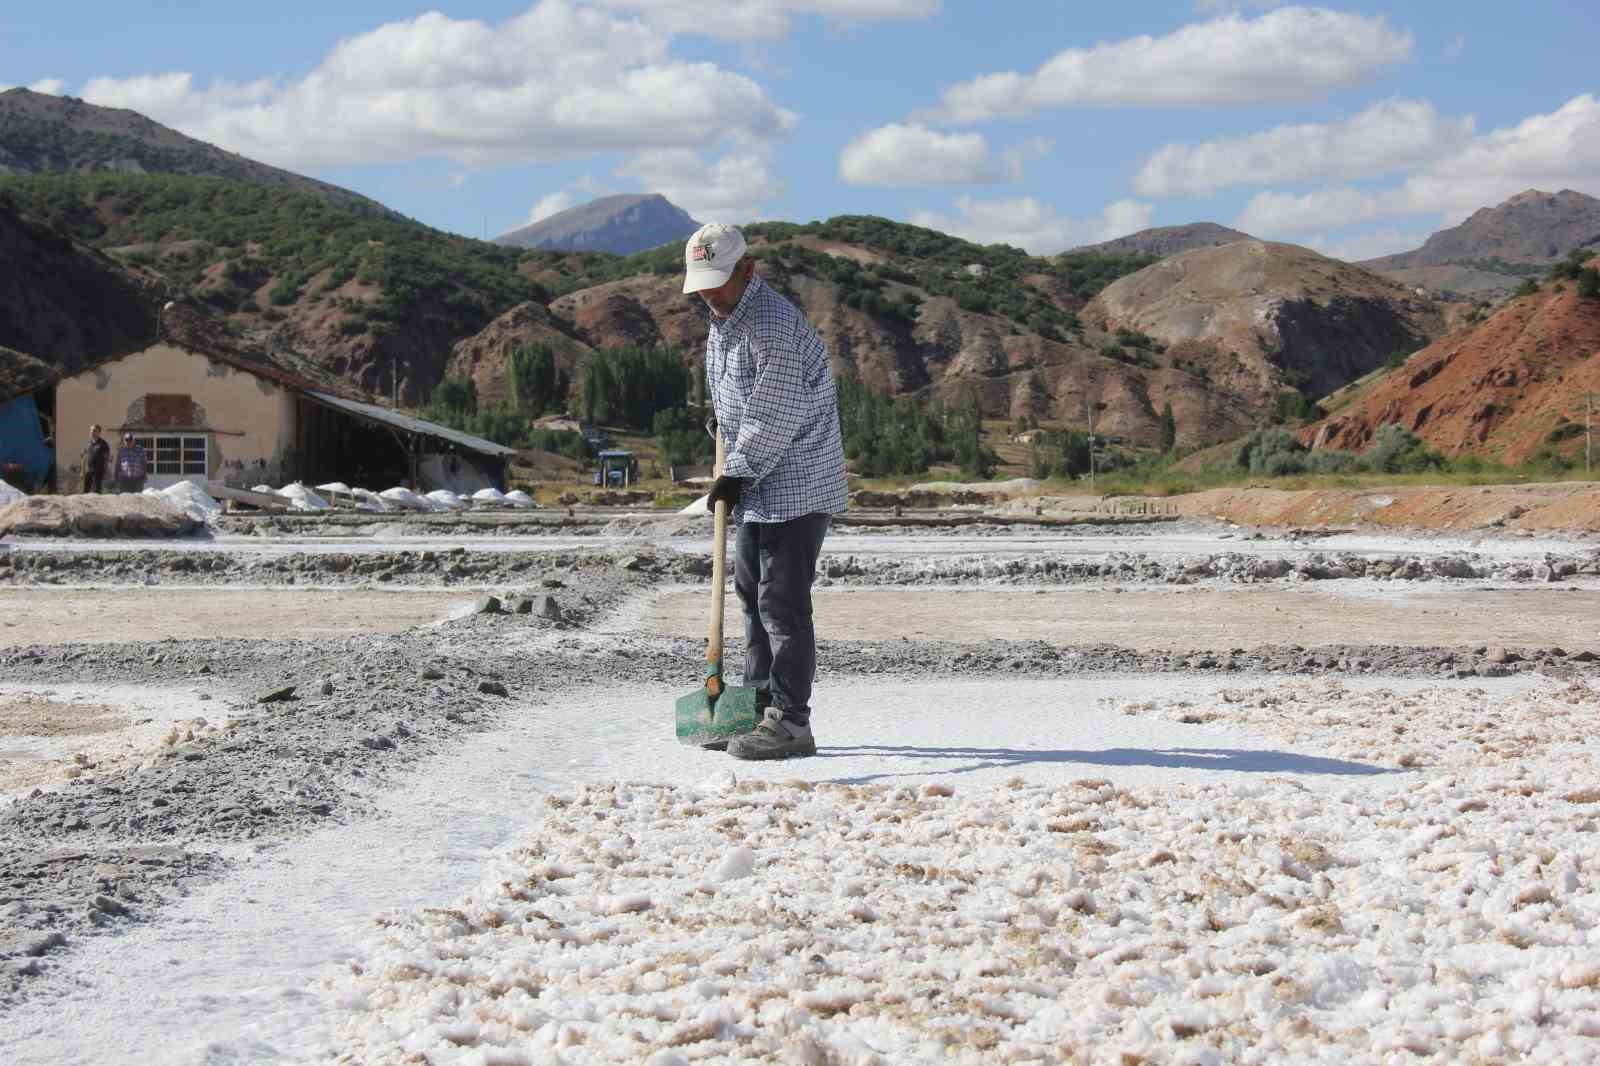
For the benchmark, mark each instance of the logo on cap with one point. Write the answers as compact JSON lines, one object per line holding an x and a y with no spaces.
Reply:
{"x":702,"y":253}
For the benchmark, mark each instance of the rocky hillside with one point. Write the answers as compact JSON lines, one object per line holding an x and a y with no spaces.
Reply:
{"x":1259,"y":318}
{"x":375,"y":299}
{"x":1506,"y":388}
{"x":1498,"y":246}
{"x":63,"y":303}
{"x":1163,"y":241}
{"x":621,"y":225}
{"x":43,"y":134}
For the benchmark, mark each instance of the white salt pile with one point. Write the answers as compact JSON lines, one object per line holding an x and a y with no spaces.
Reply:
{"x":302,"y":498}
{"x":8,"y":494}
{"x":489,"y":497}
{"x":189,"y":498}
{"x":448,"y":500}
{"x":405,"y":499}
{"x":518,"y":498}
{"x":367,"y":500}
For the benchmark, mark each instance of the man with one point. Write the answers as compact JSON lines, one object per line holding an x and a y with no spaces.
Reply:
{"x":131,"y":465}
{"x":771,"y":385}
{"x":96,"y":457}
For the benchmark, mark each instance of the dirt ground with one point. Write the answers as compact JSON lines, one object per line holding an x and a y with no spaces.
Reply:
{"x":110,"y":616}
{"x":1569,"y":507}
{"x":1199,"y":619}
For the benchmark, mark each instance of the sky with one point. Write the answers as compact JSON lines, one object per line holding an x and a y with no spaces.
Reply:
{"x":1356,"y":129}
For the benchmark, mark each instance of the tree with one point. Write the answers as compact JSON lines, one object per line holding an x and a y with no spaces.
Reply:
{"x":1169,"y":428}
{"x":532,"y":377}
{"x":1589,"y":284}
{"x":966,"y":437}
{"x":683,"y":443}
{"x":628,"y":385}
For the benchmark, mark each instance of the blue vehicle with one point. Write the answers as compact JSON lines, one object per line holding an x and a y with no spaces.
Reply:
{"x":618,"y":470}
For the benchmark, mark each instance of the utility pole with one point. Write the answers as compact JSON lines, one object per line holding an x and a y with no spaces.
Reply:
{"x":1088,"y":414}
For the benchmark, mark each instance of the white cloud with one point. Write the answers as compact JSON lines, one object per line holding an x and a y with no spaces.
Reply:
{"x":1558,"y":150}
{"x":746,"y":20}
{"x":1275,"y":213}
{"x":1033,"y":226}
{"x":1288,"y":54}
{"x":1391,"y":136}
{"x":47,"y":86}
{"x":730,"y":189}
{"x":899,"y":154}
{"x":560,"y":80}
{"x":552,"y":204}
{"x":1354,"y":248}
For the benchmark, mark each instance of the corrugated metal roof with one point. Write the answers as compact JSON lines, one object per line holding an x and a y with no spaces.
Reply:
{"x":413,"y":425}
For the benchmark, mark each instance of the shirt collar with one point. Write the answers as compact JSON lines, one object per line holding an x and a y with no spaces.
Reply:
{"x":742,"y":308}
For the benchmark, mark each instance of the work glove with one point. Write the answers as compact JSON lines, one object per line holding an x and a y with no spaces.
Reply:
{"x":727,"y":490}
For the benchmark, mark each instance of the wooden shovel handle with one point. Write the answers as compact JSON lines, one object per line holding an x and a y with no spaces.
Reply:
{"x":719,"y":573}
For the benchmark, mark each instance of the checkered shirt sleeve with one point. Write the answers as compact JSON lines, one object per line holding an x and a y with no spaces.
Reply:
{"x":771,"y":381}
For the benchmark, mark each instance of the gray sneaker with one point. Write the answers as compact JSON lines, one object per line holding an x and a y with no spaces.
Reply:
{"x":774,"y":738}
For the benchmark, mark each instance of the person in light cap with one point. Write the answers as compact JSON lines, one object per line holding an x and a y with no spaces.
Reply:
{"x":771,"y":385}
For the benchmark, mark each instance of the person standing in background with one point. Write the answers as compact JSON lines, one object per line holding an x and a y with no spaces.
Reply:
{"x":131,"y":465}
{"x":96,"y":457}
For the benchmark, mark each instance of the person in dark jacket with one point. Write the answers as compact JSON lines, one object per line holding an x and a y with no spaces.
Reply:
{"x":96,"y":457}
{"x":131,"y":465}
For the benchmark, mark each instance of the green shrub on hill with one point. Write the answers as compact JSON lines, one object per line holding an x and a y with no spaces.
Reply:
{"x":263,"y":231}
{"x":981,"y":279}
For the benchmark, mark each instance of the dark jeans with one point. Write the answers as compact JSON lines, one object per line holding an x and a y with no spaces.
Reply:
{"x":130,"y":484}
{"x":773,"y":568}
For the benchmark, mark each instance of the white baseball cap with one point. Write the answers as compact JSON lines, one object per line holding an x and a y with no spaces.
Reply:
{"x":710,"y":256}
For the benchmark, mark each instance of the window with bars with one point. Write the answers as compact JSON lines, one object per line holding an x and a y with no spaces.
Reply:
{"x":171,"y":453}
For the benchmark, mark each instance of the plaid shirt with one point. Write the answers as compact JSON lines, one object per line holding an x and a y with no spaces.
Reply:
{"x":771,"y":382}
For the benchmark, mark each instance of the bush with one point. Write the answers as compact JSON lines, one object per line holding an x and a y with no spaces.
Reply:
{"x":1063,"y":454}
{"x":1397,"y":450}
{"x":1274,"y":452}
{"x":683,"y":442}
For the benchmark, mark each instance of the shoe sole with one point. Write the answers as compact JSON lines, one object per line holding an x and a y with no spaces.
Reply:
{"x":773,"y":756}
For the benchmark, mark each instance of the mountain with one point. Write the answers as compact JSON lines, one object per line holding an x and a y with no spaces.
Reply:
{"x":1260,"y":317}
{"x":65,"y":304}
{"x":1505,"y":388}
{"x":1167,"y":240}
{"x":909,"y":311}
{"x":618,"y":224}
{"x":43,"y":134}
{"x":370,"y":297}
{"x":1498,"y":246}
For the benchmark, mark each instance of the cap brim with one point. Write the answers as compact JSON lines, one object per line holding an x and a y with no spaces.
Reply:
{"x":697,"y":280}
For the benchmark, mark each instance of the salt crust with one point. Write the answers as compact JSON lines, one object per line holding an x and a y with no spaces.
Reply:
{"x":1453,"y":918}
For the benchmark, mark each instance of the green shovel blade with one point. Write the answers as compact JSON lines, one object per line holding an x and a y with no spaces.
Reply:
{"x":704,"y":719}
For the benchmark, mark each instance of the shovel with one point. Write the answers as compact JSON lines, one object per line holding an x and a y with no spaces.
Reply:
{"x":711,"y":714}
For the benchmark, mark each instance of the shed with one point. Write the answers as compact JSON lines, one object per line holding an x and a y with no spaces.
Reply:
{"x":205,"y":409}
